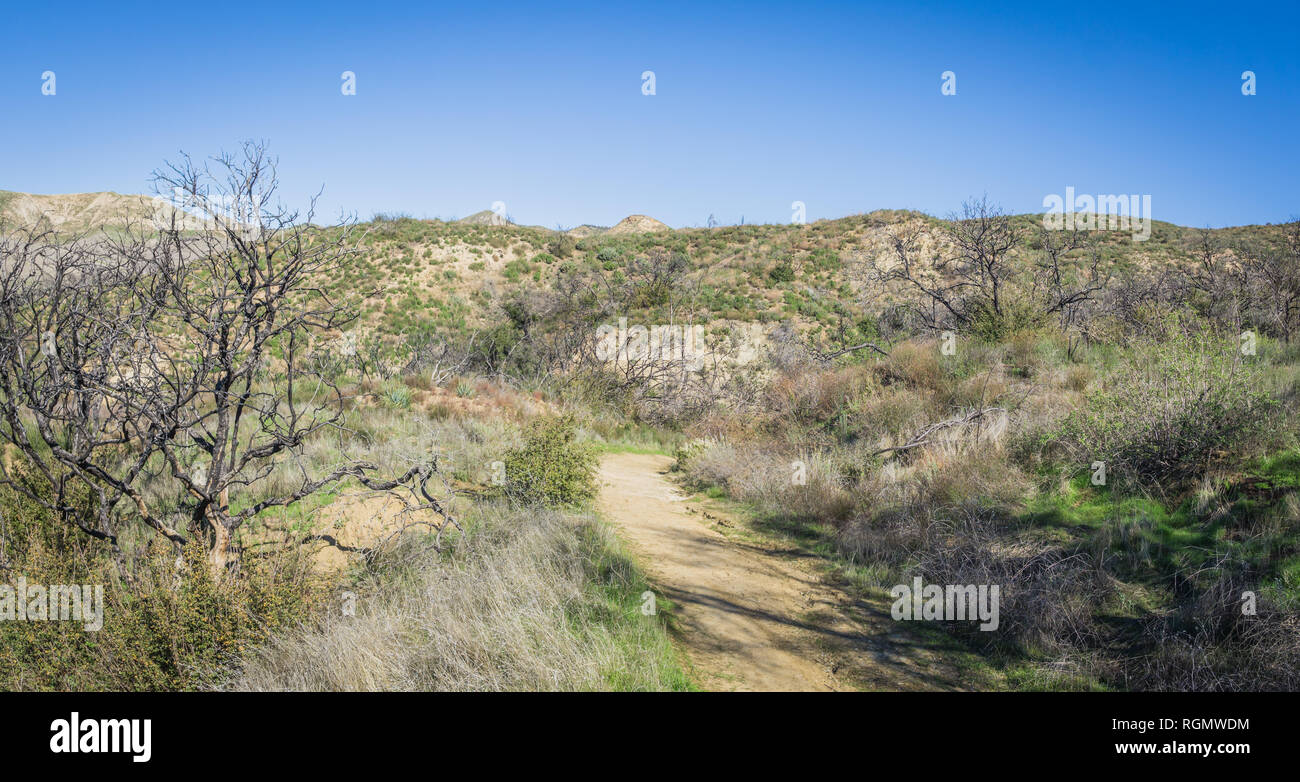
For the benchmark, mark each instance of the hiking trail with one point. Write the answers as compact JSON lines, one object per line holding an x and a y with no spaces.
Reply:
{"x":750,"y":615}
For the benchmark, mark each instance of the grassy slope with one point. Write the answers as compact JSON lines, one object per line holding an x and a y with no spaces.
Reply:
{"x":453,"y":277}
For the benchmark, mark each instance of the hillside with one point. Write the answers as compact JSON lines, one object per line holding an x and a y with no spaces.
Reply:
{"x":76,"y":212}
{"x":485,"y":217}
{"x":435,"y":275}
{"x":949,"y":416}
{"x":442,"y":274}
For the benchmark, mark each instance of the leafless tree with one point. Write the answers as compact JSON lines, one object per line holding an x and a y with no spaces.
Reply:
{"x":1064,"y":288}
{"x":940,"y":300}
{"x":441,"y":358}
{"x":177,"y":355}
{"x":1276,"y":266}
{"x":1227,"y":281}
{"x":984,"y":236}
{"x":957,"y":284}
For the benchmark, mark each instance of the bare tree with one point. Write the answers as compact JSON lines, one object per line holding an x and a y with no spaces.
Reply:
{"x":940,"y":301}
{"x":1276,"y":265}
{"x":1064,"y":288}
{"x":984,"y":236}
{"x":958,"y":285}
{"x":178,"y":356}
{"x":1228,"y":283}
{"x":72,"y":323}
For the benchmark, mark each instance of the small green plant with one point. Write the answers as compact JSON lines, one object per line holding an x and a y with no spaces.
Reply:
{"x":397,"y":397}
{"x":823,"y":259}
{"x":782,"y":272}
{"x":552,"y":467}
{"x":514,"y":269}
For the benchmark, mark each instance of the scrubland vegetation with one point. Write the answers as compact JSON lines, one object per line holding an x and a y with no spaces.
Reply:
{"x":981,"y":466}
{"x":1104,"y":428}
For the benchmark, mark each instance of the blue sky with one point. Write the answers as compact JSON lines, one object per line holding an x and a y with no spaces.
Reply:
{"x":757,"y":105}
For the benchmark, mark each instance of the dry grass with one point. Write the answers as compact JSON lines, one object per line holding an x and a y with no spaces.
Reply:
{"x":530,"y":600}
{"x":1091,"y":595}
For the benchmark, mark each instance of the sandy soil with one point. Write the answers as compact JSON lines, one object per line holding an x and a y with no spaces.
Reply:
{"x":748,"y":615}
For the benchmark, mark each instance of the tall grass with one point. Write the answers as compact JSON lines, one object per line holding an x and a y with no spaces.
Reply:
{"x":530,"y":599}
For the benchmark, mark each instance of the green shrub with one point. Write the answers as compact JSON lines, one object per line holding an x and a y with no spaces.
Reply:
{"x":546,"y":258}
{"x":1016,"y":316}
{"x":515,"y":268}
{"x":170,"y":626}
{"x":782,"y":272}
{"x":823,"y":259}
{"x":551,"y":467}
{"x":561,"y":245}
{"x":1178,"y":402}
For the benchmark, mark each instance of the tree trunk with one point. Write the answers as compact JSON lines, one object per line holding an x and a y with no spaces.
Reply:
{"x":222,"y":557}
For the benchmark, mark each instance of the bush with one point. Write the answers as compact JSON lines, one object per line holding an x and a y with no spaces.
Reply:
{"x":561,"y":245}
{"x":397,"y":397}
{"x":171,"y":626}
{"x":551,"y":468}
{"x":1177,"y":402}
{"x":1015,"y":317}
{"x":782,"y":272}
{"x":515,"y":268}
{"x":761,"y":475}
{"x":823,"y":259}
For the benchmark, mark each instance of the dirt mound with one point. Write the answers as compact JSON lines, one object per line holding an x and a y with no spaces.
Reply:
{"x":638,"y":224}
{"x":486,"y":217}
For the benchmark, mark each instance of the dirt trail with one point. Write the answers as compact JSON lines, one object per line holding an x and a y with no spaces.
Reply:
{"x":751,"y":617}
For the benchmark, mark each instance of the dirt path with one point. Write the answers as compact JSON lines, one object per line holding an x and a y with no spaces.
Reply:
{"x":751,"y":617}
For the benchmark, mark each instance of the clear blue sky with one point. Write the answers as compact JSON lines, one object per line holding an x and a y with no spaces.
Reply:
{"x":758,"y":104}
